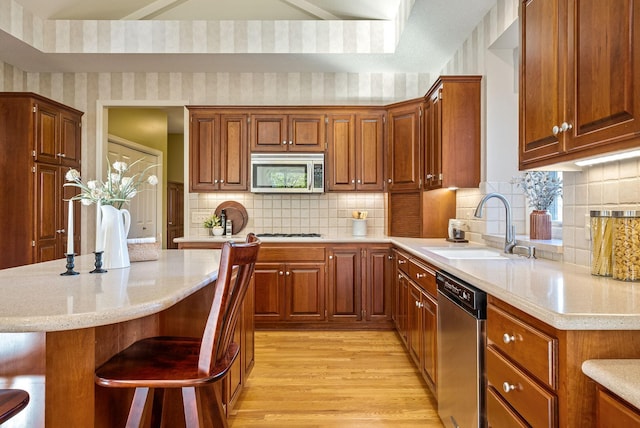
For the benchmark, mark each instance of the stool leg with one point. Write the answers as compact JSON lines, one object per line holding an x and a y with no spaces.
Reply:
{"x":138,"y":407}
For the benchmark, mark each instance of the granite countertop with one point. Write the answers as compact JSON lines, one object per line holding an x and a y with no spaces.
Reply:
{"x":622,"y":377}
{"x":563,"y":295}
{"x":36,"y":298}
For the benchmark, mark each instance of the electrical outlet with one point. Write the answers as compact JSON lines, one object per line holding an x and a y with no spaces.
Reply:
{"x":199,"y":216}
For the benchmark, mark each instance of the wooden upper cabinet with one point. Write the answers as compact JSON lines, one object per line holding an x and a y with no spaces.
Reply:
{"x":218,"y":150}
{"x":355,"y":159}
{"x":404,"y":140}
{"x":452,"y":133}
{"x":288,"y":131}
{"x":579,"y":86}
{"x":58,"y":134}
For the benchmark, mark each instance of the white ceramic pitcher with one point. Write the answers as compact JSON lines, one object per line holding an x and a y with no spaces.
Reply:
{"x":114,"y":226}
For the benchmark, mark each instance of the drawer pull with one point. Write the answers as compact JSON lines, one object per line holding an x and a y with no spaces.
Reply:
{"x":401,"y":262}
{"x":507,"y":338}
{"x":420,"y":275}
{"x":507,"y":387}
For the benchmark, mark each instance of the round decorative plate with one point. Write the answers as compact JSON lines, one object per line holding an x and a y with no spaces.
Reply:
{"x":236,"y":212}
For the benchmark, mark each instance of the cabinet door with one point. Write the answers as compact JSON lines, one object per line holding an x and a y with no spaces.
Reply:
{"x":345,"y":288}
{"x":612,"y":412}
{"x":48,"y":201}
{"x":304,"y":292}
{"x":370,"y":152}
{"x":433,"y":142}
{"x":429,"y":328}
{"x":404,"y":146}
{"x":402,"y":306}
{"x":204,"y":151}
{"x":307,"y":132}
{"x":376,"y":279}
{"x":234,"y":152}
{"x":541,"y":90}
{"x":341,"y":153}
{"x":47,"y":132}
{"x":269,"y":133}
{"x":604,"y":72}
{"x":414,"y":322}
{"x":70,"y":139}
{"x":269,"y":289}
{"x":248,"y":328}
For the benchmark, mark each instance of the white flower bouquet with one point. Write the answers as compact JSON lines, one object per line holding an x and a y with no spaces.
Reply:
{"x":117,"y":190}
{"x":540,"y":188}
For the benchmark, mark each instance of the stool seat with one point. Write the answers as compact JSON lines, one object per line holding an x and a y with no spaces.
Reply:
{"x":12,"y":401}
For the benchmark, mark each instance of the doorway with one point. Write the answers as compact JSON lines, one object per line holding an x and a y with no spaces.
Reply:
{"x":155,"y":124}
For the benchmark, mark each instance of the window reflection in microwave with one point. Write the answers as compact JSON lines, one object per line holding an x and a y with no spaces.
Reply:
{"x":283,"y":177}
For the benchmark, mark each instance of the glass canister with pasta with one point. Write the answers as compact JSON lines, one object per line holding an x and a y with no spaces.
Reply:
{"x":626,"y":245}
{"x":601,"y":243}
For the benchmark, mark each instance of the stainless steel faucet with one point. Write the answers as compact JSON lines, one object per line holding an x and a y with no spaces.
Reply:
{"x":510,"y":235}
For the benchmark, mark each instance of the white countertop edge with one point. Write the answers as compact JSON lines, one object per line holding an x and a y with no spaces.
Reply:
{"x":104,"y":317}
{"x":620,"y":376}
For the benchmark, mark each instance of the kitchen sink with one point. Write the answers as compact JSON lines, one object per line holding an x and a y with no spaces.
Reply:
{"x":466,"y":253}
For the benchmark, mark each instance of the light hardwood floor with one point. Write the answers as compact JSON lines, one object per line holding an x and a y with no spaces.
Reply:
{"x":309,"y":379}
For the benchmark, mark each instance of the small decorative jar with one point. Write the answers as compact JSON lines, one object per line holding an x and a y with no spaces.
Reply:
{"x":601,"y":243}
{"x":626,"y":245}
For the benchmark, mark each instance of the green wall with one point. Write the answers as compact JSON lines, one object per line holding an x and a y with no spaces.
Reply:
{"x":175,"y":158}
{"x":148,"y":127}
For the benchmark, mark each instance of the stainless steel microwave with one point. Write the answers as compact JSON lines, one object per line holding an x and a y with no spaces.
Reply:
{"x":287,"y":173}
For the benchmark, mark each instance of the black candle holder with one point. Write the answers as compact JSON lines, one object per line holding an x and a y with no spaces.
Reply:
{"x":98,"y":263}
{"x":70,"y":265}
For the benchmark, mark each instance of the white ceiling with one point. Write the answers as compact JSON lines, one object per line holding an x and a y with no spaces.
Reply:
{"x":434,"y":30}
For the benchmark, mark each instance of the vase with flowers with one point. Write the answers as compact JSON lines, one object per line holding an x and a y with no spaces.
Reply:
{"x":112,"y":220}
{"x":541,"y":188}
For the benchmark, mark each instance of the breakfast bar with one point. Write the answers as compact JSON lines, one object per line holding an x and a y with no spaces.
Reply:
{"x":55,"y":330}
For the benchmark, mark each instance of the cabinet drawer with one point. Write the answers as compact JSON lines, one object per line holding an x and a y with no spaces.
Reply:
{"x":423,"y":276}
{"x":499,"y":414}
{"x":291,"y":254}
{"x":612,"y":412}
{"x":534,"y":403}
{"x":532,"y":349}
{"x":403,"y":263}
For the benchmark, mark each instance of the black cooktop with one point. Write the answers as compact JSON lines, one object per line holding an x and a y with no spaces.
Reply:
{"x":288,"y":235}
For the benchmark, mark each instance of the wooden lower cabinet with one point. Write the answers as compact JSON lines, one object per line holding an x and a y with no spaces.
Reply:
{"x":613,"y":412}
{"x":534,"y":370}
{"x":416,"y":313}
{"x":357,"y":288}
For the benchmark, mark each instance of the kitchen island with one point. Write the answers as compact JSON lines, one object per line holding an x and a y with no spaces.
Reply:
{"x":55,"y":330}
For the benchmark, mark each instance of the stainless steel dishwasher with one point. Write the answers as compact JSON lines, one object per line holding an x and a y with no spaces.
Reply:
{"x":462,"y":314}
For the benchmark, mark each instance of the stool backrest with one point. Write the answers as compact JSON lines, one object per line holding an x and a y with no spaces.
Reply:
{"x":237,"y":263}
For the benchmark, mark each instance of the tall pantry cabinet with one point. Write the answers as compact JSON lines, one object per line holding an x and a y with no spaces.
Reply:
{"x":40,"y":141}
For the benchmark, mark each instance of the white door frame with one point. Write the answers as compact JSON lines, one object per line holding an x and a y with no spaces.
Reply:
{"x":102,"y":138}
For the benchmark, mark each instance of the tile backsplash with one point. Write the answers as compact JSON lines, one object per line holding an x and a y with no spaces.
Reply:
{"x":327,"y":213}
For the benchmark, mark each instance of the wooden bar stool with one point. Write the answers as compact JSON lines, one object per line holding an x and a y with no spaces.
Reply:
{"x":154,"y":364}
{"x":12,"y":401}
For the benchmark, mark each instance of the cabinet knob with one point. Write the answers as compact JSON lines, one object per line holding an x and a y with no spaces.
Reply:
{"x":563,"y":127}
{"x":221,"y":181}
{"x":284,"y":143}
{"x":359,"y":181}
{"x":420,"y":275}
{"x":353,"y":181}
{"x":215,"y":181}
{"x":507,"y":387}
{"x":287,"y":273}
{"x":290,"y":143}
{"x":61,"y":155}
{"x":390,"y":257}
{"x":280,"y":273}
{"x":401,"y":262}
{"x":389,"y":180}
{"x":429,"y":176}
{"x":507,"y":338}
{"x":330,"y":257}
{"x":170,"y":223}
{"x":60,"y":231}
